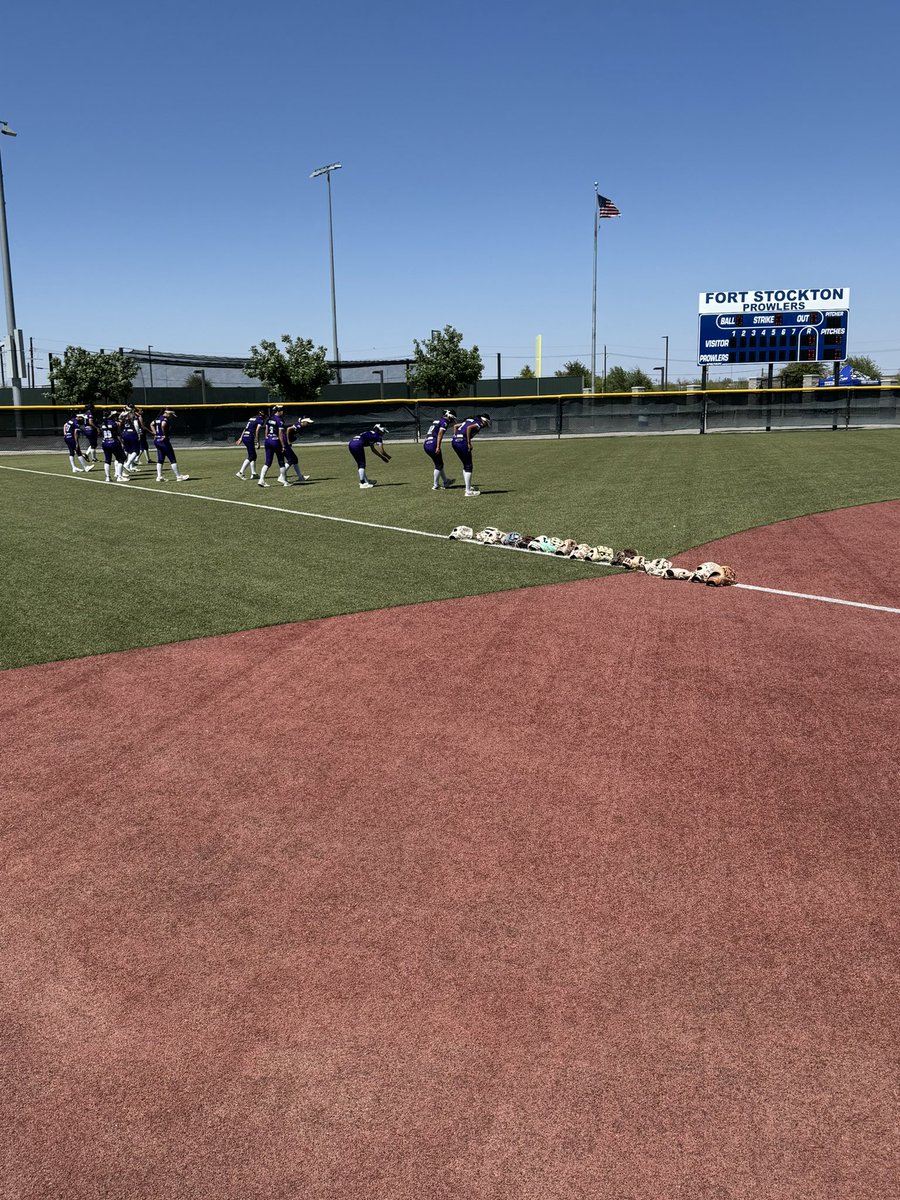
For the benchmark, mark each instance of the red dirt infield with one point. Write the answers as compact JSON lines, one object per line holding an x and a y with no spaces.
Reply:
{"x":578,"y":891}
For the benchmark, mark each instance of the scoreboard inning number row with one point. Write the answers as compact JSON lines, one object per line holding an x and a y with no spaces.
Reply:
{"x":786,"y":330}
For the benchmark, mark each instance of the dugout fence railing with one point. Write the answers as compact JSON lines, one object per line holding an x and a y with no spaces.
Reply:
{"x":36,"y":423}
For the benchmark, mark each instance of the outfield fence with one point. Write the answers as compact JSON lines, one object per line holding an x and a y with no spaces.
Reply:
{"x":36,"y":425}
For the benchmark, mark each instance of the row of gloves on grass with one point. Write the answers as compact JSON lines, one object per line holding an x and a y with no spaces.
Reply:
{"x":711,"y":573}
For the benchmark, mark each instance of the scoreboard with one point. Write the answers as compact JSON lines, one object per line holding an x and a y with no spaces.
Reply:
{"x":774,"y":326}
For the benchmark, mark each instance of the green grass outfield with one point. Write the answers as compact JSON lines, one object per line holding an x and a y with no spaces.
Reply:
{"x":90,"y":567}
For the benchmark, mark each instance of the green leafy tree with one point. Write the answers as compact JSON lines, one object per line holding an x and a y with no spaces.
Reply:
{"x":298,"y":372}
{"x":526,"y":372}
{"x":863,"y":364}
{"x":442,"y":368}
{"x":575,"y":368}
{"x":196,"y":383}
{"x":791,"y":376}
{"x":620,"y":380}
{"x":83,"y":377}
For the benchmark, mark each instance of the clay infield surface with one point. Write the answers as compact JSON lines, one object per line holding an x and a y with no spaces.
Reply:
{"x":578,"y":891}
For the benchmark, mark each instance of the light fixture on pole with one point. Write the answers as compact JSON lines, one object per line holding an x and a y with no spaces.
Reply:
{"x":380,"y":375}
{"x":665,"y":338}
{"x":326,"y":171}
{"x":12,"y":341}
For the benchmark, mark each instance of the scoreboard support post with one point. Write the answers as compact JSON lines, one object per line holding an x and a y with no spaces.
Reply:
{"x":704,"y":399}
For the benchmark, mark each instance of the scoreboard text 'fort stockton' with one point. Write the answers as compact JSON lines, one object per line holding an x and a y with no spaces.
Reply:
{"x":774,"y":325}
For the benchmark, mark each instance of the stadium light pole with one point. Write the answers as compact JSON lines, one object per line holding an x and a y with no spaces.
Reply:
{"x":665,"y":338}
{"x":326,"y":171}
{"x":380,"y":375}
{"x":14,"y":377}
{"x":150,"y":363}
{"x":662,"y":377}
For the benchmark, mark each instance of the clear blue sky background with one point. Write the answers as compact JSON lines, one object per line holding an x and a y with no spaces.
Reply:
{"x":158,"y":191}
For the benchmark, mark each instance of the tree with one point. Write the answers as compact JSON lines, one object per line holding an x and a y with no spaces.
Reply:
{"x":575,"y":368}
{"x":196,"y":382}
{"x":83,"y":377}
{"x":526,"y":372}
{"x":442,"y":368}
{"x":863,"y":364}
{"x":791,"y":376}
{"x":620,"y":380}
{"x":298,"y":372}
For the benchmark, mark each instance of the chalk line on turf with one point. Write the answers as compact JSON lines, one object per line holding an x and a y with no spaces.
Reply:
{"x":131,"y":486}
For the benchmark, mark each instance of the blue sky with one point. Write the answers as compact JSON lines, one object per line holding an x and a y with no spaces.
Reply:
{"x":158,"y":191}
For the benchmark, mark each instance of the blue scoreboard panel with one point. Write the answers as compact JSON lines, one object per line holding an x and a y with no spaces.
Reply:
{"x":773,"y":337}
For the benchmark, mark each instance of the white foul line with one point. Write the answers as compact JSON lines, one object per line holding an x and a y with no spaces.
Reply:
{"x":752,"y":587}
{"x":294,"y":512}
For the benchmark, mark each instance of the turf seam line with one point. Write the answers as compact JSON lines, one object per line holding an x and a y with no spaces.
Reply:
{"x":294,"y":512}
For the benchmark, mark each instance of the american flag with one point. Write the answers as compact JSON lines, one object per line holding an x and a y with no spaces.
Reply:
{"x":606,"y":208}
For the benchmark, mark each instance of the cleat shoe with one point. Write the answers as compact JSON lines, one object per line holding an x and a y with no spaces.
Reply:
{"x":449,"y":482}
{"x":238,"y":475}
{"x":435,"y":488}
{"x":182,"y":478}
{"x":262,"y":485}
{"x":473,"y":492}
{"x":367,"y":484}
{"x":89,"y":467}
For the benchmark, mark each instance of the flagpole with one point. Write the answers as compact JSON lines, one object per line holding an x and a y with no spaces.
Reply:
{"x":594,"y":300}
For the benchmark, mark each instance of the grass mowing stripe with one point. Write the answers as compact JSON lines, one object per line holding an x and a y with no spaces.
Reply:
{"x":85,"y":572}
{"x":293,"y":512}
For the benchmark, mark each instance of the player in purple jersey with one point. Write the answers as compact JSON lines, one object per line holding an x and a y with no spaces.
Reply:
{"x":373,"y":439}
{"x":87,"y":427}
{"x":274,"y":443}
{"x":71,"y":432}
{"x":432,"y":447}
{"x":113,"y":452}
{"x":131,"y":441}
{"x":291,"y":433}
{"x":249,"y":439}
{"x":142,"y":436}
{"x":160,"y":427}
{"x":462,"y":444}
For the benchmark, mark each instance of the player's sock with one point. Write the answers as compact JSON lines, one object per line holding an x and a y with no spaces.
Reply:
{"x":467,"y":476}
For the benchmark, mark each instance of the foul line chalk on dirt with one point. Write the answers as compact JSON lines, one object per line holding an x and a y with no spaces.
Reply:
{"x":167,"y":490}
{"x":752,"y":587}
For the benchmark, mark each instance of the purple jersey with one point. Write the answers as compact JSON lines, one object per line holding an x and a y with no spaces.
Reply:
{"x":434,"y":429}
{"x":248,"y":437}
{"x":371,"y":437}
{"x":160,"y":427}
{"x":460,"y":440}
{"x":71,"y":430}
{"x":273,"y":425}
{"x":109,"y":427}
